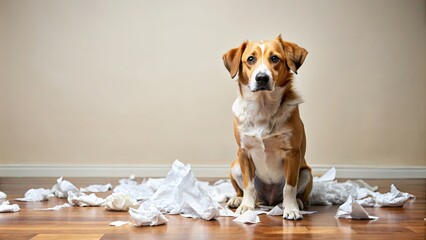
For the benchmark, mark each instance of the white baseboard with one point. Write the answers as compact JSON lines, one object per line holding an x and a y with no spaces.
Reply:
{"x":215,"y":171}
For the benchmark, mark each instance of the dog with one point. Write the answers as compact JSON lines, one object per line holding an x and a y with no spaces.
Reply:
{"x":271,"y":167}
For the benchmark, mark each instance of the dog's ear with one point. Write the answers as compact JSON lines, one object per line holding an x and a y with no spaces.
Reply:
{"x":295,"y":55}
{"x":232,"y":59}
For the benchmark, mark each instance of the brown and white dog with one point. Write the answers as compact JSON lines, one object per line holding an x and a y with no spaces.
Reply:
{"x":271,"y":166}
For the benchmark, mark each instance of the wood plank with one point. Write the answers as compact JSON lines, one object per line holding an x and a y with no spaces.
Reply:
{"x":67,"y":237}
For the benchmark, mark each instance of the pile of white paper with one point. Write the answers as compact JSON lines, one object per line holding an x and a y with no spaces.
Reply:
{"x":137,"y":191}
{"x":353,"y":210}
{"x":3,"y":197}
{"x":62,"y":188}
{"x":6,"y":207}
{"x":147,"y":215}
{"x":119,"y":202}
{"x":327,"y":191}
{"x":36,"y":195}
{"x":181,"y":193}
{"x":83,"y":200}
{"x":97,"y":188}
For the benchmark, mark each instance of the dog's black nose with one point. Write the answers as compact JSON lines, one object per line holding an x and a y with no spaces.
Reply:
{"x":262,"y":78}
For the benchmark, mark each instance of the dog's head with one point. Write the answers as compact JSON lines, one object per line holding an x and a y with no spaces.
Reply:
{"x":262,"y":66}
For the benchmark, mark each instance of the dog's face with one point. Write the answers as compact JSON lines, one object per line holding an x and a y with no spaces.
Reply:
{"x":261,"y":66}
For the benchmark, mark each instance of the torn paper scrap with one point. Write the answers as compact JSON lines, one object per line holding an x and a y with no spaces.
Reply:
{"x":119,"y":202}
{"x":181,"y":193}
{"x":97,"y":188}
{"x":147,"y":215}
{"x":276,"y":211}
{"x":154,"y":183}
{"x":6,"y":207}
{"x":332,"y":193}
{"x":55,"y":208}
{"x":248,"y":217}
{"x":394,"y":198}
{"x":36,"y":195}
{"x":62,"y":188}
{"x":83,"y":200}
{"x":226,"y":212}
{"x":330,"y":175}
{"x":3,"y":197}
{"x":119,"y":223}
{"x":352,"y":210}
{"x":133,"y":189}
{"x":220,"y":191}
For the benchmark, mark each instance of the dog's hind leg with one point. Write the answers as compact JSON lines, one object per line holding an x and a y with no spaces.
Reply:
{"x":236,"y":177}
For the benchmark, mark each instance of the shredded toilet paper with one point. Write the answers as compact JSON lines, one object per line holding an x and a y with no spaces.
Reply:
{"x":137,"y":191}
{"x":147,"y":215}
{"x":97,"y":188}
{"x":36,"y":195}
{"x":119,"y":223}
{"x":119,"y":202}
{"x":327,"y":191}
{"x":353,"y":210}
{"x":6,"y":207}
{"x":62,"y":187}
{"x":83,"y":200}
{"x":3,"y":197}
{"x":220,"y":191}
{"x":181,"y":193}
{"x":55,"y":208}
{"x":248,"y":217}
{"x":394,"y":198}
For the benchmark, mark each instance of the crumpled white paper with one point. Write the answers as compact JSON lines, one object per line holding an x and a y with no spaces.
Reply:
{"x":97,"y":188}
{"x":137,"y":191}
{"x":181,"y":193}
{"x":3,"y":197}
{"x":147,"y":215}
{"x":119,"y":202}
{"x":226,"y":212}
{"x":394,"y":198}
{"x":119,"y":223}
{"x":83,"y":200}
{"x":36,"y":195}
{"x":276,"y":211}
{"x":220,"y":191}
{"x":6,"y":207}
{"x":327,"y":191}
{"x":248,"y":217}
{"x":55,"y":208}
{"x":330,"y":175}
{"x":62,"y":188}
{"x":353,"y":210}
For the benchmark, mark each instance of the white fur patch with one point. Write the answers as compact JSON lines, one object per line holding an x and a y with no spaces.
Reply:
{"x":262,"y":128}
{"x":249,"y":196}
{"x":237,"y":175}
{"x":262,"y":68}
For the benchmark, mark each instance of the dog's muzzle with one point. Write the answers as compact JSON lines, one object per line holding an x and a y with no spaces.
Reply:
{"x":263,"y":82}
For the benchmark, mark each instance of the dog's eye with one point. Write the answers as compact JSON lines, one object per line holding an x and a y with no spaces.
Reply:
{"x":251,"y":60}
{"x":275,"y":59}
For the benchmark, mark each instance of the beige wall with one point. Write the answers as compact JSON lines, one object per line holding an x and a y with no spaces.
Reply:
{"x":142,"y":82}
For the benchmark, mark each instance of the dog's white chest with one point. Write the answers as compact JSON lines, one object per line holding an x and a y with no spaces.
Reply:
{"x":267,"y":155}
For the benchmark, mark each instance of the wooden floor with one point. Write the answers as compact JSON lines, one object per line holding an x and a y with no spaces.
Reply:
{"x":93,"y":222}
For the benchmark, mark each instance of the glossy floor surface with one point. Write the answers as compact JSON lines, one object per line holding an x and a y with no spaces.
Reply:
{"x":92,"y":223}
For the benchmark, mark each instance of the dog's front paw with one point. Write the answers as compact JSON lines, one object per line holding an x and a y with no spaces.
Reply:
{"x":292,"y":213}
{"x":243,"y":208}
{"x":234,"y":202}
